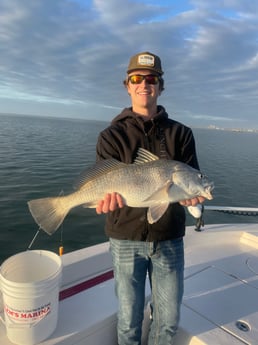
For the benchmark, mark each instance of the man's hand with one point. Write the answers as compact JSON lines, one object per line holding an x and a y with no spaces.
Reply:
{"x":111,"y":202}
{"x":192,"y":202}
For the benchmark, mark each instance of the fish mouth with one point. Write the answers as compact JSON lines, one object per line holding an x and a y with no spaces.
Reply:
{"x":208,"y":191}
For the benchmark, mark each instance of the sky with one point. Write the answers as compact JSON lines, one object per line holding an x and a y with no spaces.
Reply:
{"x":68,"y":58}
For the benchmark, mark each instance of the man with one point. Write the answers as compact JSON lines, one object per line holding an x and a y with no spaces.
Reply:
{"x":138,"y":247}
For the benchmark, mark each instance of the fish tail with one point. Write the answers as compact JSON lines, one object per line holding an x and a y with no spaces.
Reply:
{"x":48,"y":213}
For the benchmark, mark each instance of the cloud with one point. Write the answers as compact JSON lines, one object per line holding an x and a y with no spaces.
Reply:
{"x":75,"y":53}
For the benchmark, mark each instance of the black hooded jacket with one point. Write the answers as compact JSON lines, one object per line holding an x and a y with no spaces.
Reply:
{"x":165,"y":138}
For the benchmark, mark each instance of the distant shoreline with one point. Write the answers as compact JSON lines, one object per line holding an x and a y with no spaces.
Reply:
{"x":212,"y":127}
{"x":249,"y":130}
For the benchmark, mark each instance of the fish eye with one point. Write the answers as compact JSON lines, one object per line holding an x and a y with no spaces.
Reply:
{"x":201,"y":176}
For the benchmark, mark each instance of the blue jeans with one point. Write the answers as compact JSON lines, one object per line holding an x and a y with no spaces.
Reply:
{"x":164,"y":263}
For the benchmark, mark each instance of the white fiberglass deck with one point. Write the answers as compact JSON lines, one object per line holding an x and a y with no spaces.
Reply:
{"x":220,"y":305}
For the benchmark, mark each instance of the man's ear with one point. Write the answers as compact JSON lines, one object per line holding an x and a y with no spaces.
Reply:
{"x":125,"y":82}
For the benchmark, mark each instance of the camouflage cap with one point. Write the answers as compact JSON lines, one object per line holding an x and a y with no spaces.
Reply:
{"x":145,"y":60}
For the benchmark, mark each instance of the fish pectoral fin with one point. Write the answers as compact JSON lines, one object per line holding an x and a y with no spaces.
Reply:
{"x":160,"y":194}
{"x":156,"y":212}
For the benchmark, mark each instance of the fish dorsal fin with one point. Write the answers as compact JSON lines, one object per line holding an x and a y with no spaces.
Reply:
{"x":144,"y":156}
{"x":99,"y":169}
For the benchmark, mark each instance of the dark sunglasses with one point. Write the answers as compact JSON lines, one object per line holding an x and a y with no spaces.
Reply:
{"x":138,"y":78}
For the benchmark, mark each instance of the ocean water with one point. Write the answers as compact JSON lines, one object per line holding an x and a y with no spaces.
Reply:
{"x":42,"y":156}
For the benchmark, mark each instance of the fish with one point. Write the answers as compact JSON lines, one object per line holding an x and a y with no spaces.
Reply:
{"x":148,"y":182}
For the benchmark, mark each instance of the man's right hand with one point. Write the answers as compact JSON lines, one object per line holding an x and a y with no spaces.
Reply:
{"x":111,"y":202}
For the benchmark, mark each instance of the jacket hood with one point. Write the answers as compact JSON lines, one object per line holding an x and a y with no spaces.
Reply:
{"x":127,"y":113}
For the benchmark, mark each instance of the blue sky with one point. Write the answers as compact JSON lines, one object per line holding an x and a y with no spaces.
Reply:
{"x":68,"y":58}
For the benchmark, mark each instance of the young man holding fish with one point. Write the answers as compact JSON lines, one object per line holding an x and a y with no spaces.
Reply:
{"x":147,"y":169}
{"x":139,"y":248}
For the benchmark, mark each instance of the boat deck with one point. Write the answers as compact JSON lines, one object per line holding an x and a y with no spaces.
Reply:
{"x":220,"y":304}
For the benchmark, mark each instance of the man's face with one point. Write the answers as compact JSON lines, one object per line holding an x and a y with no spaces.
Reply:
{"x":145,"y":93}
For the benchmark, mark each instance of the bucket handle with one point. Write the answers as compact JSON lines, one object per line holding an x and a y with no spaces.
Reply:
{"x":1,"y":317}
{"x":1,"y":307}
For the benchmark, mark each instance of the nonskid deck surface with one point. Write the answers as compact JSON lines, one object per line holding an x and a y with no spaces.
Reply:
{"x":220,"y":304}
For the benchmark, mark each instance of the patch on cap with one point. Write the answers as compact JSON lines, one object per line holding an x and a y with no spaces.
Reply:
{"x":146,"y":60}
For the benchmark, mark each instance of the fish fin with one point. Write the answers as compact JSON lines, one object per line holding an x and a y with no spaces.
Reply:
{"x":144,"y":156}
{"x":195,"y":211}
{"x":161,"y":193}
{"x":156,"y":212}
{"x":99,"y":169}
{"x":48,"y":213}
{"x":89,"y":205}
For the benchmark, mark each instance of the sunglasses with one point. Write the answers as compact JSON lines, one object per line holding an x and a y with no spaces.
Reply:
{"x":150,"y":79}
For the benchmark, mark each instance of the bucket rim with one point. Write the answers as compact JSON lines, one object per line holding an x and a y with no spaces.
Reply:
{"x":49,"y":253}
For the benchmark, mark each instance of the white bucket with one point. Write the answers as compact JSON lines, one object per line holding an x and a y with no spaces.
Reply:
{"x":30,"y":283}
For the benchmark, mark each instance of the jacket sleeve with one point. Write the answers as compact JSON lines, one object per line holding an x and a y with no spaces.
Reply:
{"x":106,"y":148}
